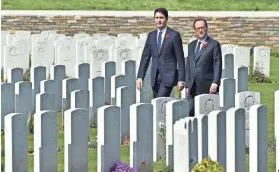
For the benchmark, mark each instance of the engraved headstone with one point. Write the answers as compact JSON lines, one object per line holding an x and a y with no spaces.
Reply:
{"x":206,"y":103}
{"x":262,"y":60}
{"x":175,"y":110}
{"x":98,"y":57}
{"x":159,"y":127}
{"x":241,"y":57}
{"x":245,"y":100}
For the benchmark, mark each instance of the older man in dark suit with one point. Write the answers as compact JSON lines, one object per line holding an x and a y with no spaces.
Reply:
{"x":204,"y":64}
{"x":164,"y":45}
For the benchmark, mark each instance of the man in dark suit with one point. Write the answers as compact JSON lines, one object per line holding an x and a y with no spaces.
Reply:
{"x":164,"y":45}
{"x":203,"y":65}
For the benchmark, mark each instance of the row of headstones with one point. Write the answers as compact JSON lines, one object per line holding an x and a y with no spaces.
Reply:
{"x":98,"y":88}
{"x":182,"y":145}
{"x":51,"y":49}
{"x":18,"y":96}
{"x":65,"y":52}
{"x":241,"y":57}
{"x":220,"y":135}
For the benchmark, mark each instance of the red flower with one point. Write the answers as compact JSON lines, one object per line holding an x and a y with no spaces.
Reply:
{"x":167,"y":35}
{"x":204,"y":44}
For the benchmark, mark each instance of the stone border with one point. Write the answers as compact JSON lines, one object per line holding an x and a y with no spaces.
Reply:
{"x":139,"y":13}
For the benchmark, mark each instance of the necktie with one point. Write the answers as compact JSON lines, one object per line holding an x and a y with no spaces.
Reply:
{"x":198,"y":50}
{"x":159,"y":41}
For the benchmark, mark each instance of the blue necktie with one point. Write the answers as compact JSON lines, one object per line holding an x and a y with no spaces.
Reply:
{"x":198,"y":50}
{"x":159,"y":41}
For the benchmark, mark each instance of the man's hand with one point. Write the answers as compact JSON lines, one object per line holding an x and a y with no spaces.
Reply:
{"x":213,"y":89}
{"x":139,"y":83}
{"x":187,"y":91}
{"x":180,"y":86}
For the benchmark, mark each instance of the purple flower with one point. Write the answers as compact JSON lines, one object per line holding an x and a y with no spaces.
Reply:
{"x":122,"y":167}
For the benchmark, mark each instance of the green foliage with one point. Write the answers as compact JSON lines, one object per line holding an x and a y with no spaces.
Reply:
{"x":258,"y":77}
{"x":274,"y":53}
{"x":272,"y":144}
{"x":168,"y":168}
{"x":30,"y":123}
{"x":127,"y":5}
{"x":93,"y":124}
{"x":208,"y":165}
{"x":26,"y":75}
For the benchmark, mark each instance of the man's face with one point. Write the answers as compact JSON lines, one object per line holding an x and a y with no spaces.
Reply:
{"x":160,"y":20}
{"x":200,"y":29}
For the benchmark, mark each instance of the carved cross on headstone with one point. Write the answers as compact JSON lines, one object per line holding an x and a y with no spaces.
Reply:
{"x":123,"y":55}
{"x":100,"y":55}
{"x":209,"y":106}
{"x":99,"y":72}
{"x":259,"y":67}
{"x":248,"y":102}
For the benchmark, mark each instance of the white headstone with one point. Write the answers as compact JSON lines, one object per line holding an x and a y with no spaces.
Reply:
{"x":262,"y":60}
{"x":258,"y":146}
{"x":45,"y":142}
{"x":141,"y":148}
{"x":217,"y":136}
{"x":108,"y":137}
{"x":16,"y":142}
{"x":175,"y":110}
{"x":236,"y":156}
{"x":76,"y":140}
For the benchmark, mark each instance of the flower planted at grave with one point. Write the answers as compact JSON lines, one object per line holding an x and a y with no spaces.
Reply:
{"x":122,"y":167}
{"x":208,"y":165}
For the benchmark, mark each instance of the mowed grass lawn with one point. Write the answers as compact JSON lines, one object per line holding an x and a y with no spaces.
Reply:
{"x":175,"y":5}
{"x":267,"y":98}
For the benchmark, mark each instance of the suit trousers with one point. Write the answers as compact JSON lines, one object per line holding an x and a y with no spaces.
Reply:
{"x":159,"y":89}
{"x":191,"y":99}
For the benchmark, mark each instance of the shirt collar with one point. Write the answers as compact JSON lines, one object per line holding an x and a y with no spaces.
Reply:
{"x":163,"y":31}
{"x":203,"y":40}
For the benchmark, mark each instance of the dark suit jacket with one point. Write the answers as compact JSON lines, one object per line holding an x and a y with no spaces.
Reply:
{"x":169,"y":60}
{"x":207,"y":68}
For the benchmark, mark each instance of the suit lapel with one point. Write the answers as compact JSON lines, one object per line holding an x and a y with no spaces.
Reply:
{"x":202,"y":49}
{"x":164,"y":41}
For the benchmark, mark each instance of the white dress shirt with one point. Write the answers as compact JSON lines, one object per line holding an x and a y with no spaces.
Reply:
{"x":163,"y":34}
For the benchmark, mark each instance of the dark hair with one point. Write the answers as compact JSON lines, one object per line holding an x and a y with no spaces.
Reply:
{"x":199,"y":19}
{"x":163,"y":11}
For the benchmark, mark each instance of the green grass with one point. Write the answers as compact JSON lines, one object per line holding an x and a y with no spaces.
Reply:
{"x":175,"y":5}
{"x":267,"y":98}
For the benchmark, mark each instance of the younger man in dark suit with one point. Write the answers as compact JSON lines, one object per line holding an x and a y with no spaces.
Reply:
{"x":164,"y":45}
